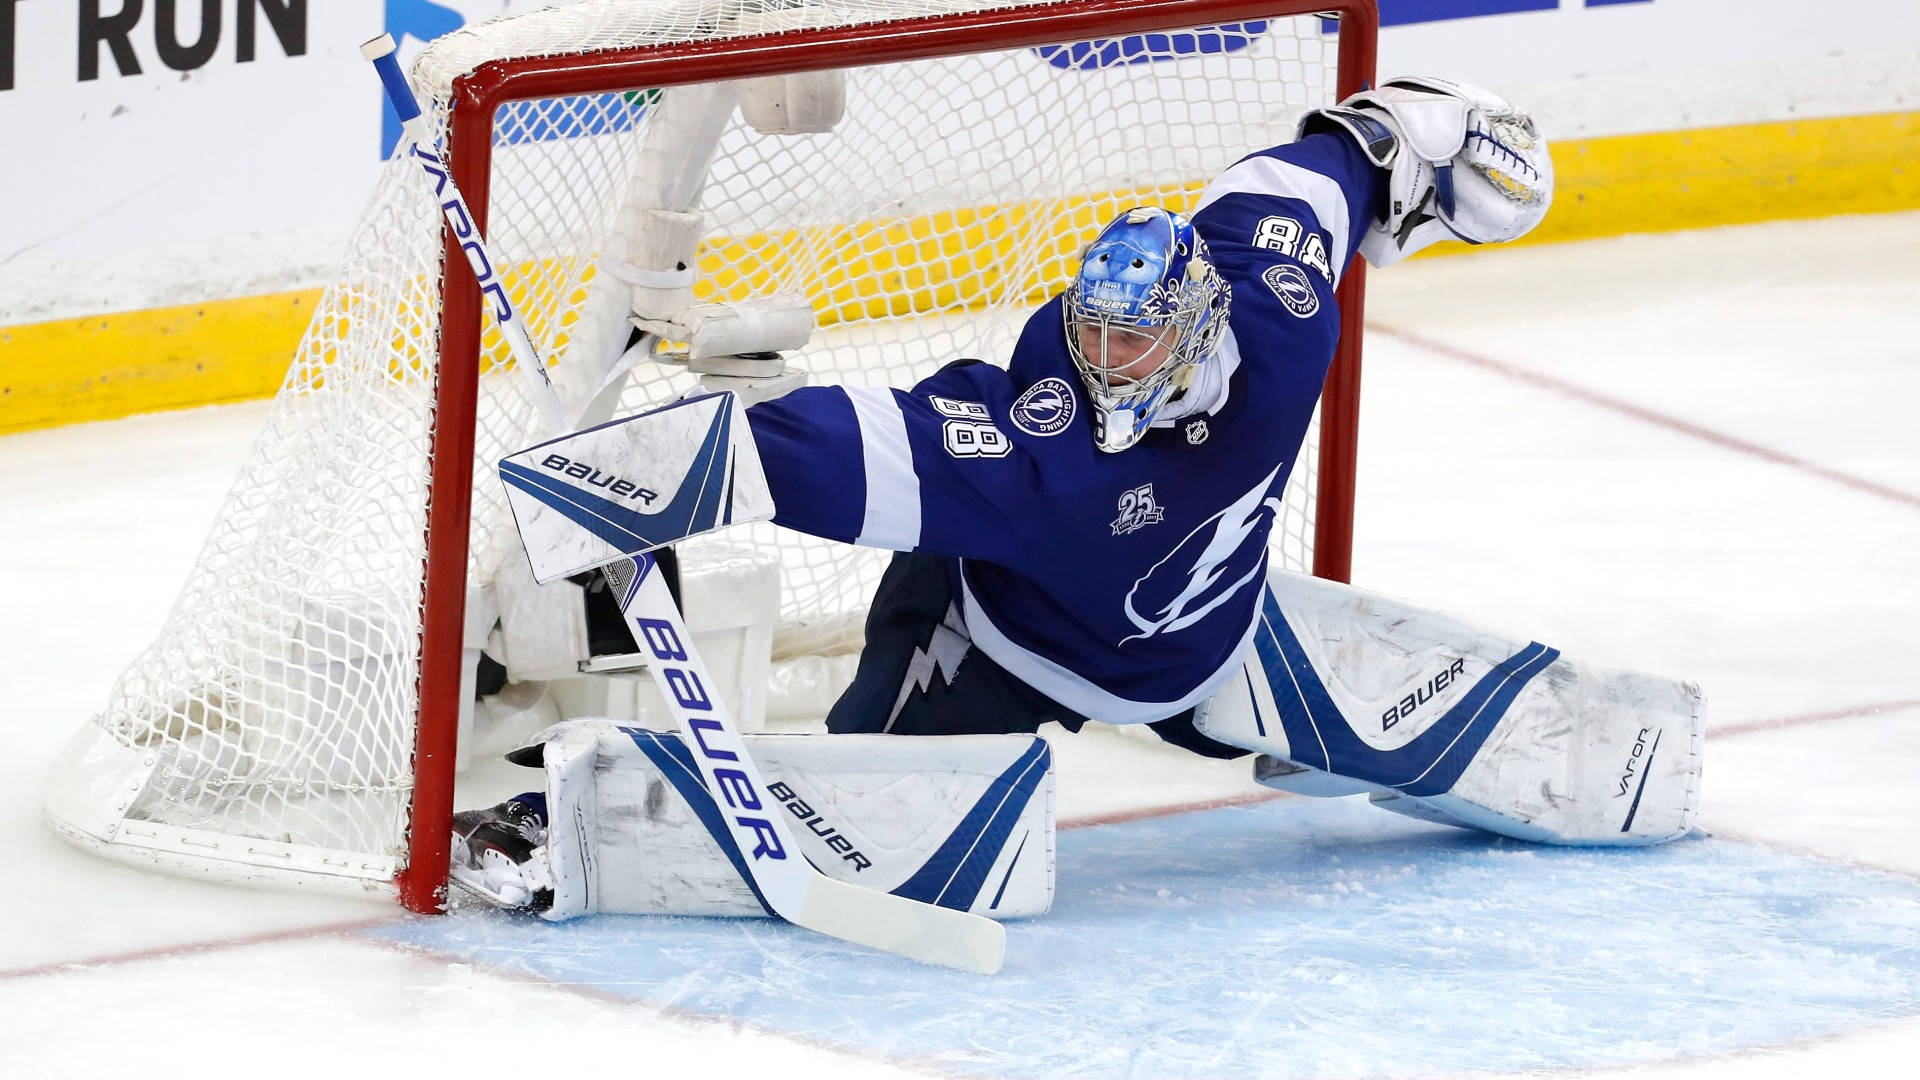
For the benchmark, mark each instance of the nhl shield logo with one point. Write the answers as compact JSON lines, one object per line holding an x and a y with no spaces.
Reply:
{"x":1197,"y":431}
{"x":1045,"y":409}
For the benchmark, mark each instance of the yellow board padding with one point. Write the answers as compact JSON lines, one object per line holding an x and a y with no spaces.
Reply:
{"x":1737,"y":175}
{"x":105,"y":366}
{"x":949,"y":260}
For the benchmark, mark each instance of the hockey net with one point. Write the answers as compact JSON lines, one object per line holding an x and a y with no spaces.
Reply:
{"x":290,"y":721}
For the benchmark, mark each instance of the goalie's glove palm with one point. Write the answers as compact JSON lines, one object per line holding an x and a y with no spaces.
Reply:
{"x":1461,"y":163}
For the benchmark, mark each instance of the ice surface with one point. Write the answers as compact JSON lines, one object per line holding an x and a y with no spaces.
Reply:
{"x":1678,"y":500}
{"x":330,"y":1008}
{"x":1305,"y":939}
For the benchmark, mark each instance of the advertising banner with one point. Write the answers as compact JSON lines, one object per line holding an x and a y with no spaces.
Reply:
{"x":178,"y":152}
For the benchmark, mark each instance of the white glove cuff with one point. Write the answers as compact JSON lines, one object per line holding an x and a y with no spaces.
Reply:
{"x":1502,"y":192}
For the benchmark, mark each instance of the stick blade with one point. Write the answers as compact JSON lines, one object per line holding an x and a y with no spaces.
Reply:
{"x":924,"y":932}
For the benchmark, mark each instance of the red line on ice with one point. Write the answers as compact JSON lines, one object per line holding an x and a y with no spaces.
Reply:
{"x":1778,"y":723}
{"x":1649,"y":416}
{"x":192,"y":948}
{"x":1119,"y":816}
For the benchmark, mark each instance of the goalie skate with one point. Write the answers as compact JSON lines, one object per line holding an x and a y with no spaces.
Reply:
{"x":500,"y":856}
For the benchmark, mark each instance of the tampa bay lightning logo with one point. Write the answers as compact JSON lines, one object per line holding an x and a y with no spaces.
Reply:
{"x":1206,"y":569}
{"x":1295,"y":290}
{"x":1046,"y":408}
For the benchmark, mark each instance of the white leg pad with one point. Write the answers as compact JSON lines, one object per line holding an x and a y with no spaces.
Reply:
{"x":963,"y":821}
{"x":1349,"y":692}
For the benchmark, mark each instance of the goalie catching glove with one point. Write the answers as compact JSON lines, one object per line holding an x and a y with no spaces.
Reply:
{"x":1462,"y":163}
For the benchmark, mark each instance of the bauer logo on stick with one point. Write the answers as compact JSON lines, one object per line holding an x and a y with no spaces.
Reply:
{"x":710,"y":736}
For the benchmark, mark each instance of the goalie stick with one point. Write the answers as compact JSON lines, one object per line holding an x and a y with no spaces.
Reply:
{"x":785,"y":881}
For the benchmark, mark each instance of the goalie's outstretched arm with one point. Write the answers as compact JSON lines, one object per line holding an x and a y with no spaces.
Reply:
{"x":937,"y":469}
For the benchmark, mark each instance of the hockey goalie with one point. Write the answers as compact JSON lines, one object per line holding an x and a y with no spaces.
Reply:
{"x":1082,"y":535}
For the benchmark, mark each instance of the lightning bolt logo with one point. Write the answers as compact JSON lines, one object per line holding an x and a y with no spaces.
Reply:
{"x":1188,"y":583}
{"x":942,"y":654}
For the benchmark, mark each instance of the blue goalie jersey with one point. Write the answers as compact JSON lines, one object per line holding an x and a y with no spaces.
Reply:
{"x":1124,"y":586}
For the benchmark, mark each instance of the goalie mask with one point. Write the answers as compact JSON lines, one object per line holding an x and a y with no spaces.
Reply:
{"x":1146,"y":308}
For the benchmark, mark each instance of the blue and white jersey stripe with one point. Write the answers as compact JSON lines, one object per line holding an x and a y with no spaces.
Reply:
{"x":1074,"y":691}
{"x":1267,"y":178}
{"x":891,"y":516}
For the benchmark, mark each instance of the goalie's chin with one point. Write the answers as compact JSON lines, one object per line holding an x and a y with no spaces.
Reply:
{"x":1121,"y":420}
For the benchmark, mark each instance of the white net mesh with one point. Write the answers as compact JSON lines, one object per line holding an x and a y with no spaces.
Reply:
{"x":953,"y":196}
